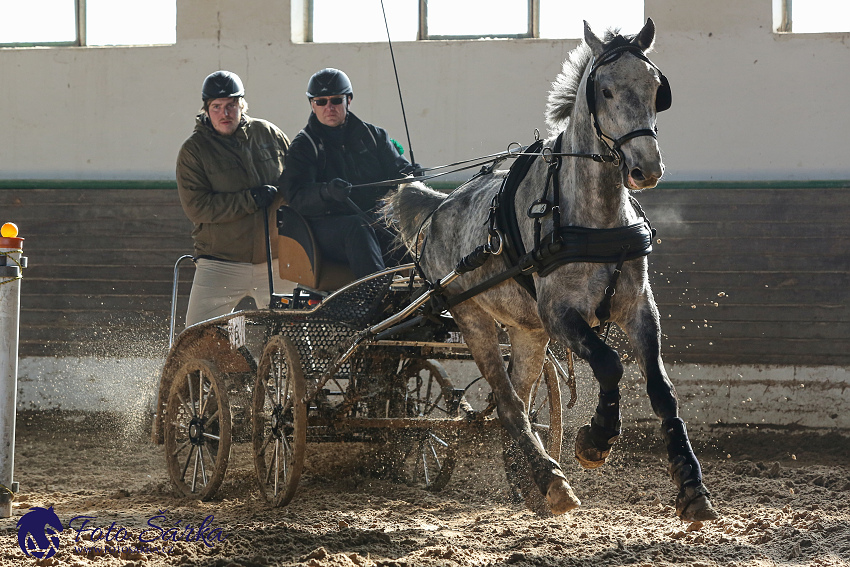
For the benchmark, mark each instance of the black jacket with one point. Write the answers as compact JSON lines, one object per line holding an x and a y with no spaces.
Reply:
{"x":357,"y":152}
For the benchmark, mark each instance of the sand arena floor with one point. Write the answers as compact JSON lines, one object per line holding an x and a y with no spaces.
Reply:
{"x":783,"y":497}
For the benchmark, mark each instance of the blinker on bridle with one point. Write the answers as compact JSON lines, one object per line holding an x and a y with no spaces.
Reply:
{"x":663,"y":97}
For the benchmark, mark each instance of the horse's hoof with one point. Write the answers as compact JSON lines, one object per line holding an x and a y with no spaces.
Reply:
{"x":693,"y":504}
{"x":588,"y":455}
{"x":561,"y":497}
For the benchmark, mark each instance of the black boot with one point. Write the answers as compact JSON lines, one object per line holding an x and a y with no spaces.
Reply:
{"x":595,"y":440}
{"x":693,"y":501}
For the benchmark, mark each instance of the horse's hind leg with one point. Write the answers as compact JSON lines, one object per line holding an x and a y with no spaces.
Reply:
{"x":594,"y":440}
{"x":693,"y":501}
{"x":528,"y":347}
{"x":479,"y":331}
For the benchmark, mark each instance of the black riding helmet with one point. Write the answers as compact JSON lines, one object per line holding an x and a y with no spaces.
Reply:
{"x":329,"y":82}
{"x":222,"y":84}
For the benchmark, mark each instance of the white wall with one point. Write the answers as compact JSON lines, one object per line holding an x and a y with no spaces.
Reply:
{"x":762,"y":396}
{"x":748,"y":104}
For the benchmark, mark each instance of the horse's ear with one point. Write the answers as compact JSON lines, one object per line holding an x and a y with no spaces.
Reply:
{"x":646,"y":37}
{"x":596,"y":45}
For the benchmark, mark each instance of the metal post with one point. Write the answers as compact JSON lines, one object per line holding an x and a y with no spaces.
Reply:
{"x":174,"y":296}
{"x":11,"y":264}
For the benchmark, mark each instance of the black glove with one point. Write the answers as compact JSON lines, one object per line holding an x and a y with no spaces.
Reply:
{"x":335,"y":190}
{"x":413,"y":169}
{"x":263,"y":195}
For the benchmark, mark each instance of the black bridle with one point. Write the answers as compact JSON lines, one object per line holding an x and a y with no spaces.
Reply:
{"x":663,"y":98}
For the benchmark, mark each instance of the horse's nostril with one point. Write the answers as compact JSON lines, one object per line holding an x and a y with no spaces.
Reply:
{"x":637,"y":174}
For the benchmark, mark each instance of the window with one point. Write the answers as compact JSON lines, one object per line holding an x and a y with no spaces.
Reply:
{"x":88,"y":22}
{"x":331,"y":21}
{"x":811,"y":16}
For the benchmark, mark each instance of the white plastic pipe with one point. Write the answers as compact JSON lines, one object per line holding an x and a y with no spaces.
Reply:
{"x":11,"y":263}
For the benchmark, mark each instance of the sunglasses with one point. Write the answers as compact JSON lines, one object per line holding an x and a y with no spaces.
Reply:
{"x":336,"y":101}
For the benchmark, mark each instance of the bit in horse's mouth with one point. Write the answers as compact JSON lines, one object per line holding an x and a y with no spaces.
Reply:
{"x":629,"y":181}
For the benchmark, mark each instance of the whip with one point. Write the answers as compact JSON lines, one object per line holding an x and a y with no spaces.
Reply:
{"x":398,"y":84}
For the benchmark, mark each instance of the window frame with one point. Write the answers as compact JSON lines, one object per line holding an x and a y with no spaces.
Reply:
{"x":532,"y":29}
{"x":783,"y":21}
{"x":80,"y":10}
{"x":79,"y":27}
{"x":303,"y":11}
{"x":783,"y":16}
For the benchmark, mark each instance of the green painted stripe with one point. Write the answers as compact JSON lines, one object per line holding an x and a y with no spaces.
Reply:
{"x":819,"y":184}
{"x":90,"y":184}
{"x":439,"y":185}
{"x":816,"y":184}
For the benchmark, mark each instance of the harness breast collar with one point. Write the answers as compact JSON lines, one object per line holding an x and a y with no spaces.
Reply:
{"x":564,"y":244}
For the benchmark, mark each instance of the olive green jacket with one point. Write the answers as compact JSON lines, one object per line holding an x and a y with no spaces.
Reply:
{"x":214,"y":174}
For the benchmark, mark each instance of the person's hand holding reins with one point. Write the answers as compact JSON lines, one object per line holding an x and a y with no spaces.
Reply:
{"x":336,"y":190}
{"x":263,"y":195}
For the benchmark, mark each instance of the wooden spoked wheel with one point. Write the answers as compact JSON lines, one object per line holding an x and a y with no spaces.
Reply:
{"x":197,"y":429}
{"x":426,"y":456}
{"x":279,"y":421}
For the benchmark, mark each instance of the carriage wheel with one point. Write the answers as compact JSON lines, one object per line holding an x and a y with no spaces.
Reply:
{"x":197,"y":429}
{"x":279,"y":420}
{"x":544,"y":414}
{"x":427,"y":457}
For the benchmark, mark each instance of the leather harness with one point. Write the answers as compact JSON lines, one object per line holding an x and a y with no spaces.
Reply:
{"x":563,"y":245}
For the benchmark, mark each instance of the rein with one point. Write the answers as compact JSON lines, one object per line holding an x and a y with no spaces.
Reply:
{"x":493,"y":160}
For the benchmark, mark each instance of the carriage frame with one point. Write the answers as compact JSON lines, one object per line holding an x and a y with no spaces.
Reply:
{"x":361,"y":364}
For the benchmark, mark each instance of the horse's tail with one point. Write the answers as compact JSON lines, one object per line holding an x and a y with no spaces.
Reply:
{"x":409,"y":211}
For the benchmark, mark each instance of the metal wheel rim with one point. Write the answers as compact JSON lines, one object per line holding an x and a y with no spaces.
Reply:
{"x":279,"y":421}
{"x":197,"y":430}
{"x":429,"y":456}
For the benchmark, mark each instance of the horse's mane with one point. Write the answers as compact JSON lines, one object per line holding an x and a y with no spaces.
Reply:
{"x":562,"y":97}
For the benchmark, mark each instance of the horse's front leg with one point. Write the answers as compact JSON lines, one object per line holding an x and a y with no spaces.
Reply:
{"x":479,"y":332}
{"x":594,"y":440}
{"x":693,"y":501}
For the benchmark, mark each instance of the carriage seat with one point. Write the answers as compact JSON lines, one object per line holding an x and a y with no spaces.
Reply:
{"x":299,"y":258}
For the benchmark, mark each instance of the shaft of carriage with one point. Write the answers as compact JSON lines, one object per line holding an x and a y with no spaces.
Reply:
{"x":396,"y":322}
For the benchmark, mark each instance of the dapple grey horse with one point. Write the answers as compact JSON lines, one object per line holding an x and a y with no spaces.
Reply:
{"x":614,"y":116}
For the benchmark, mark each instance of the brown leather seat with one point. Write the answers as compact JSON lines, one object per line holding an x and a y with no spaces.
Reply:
{"x":299,"y":258}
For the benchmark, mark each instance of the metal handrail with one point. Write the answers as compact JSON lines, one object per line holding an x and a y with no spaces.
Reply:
{"x":174,"y":296}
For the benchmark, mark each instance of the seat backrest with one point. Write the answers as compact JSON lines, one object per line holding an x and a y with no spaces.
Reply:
{"x":300,"y":259}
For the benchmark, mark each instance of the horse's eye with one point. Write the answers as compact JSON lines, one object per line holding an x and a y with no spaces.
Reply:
{"x":607,"y":93}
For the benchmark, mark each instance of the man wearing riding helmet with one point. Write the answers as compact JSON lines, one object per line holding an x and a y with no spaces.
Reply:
{"x":335,"y":150}
{"x":227,"y":176}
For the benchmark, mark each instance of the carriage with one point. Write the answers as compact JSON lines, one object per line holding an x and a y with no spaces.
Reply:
{"x":347,"y":366}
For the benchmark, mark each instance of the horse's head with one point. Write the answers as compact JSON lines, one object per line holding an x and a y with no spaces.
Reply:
{"x":624,"y":92}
